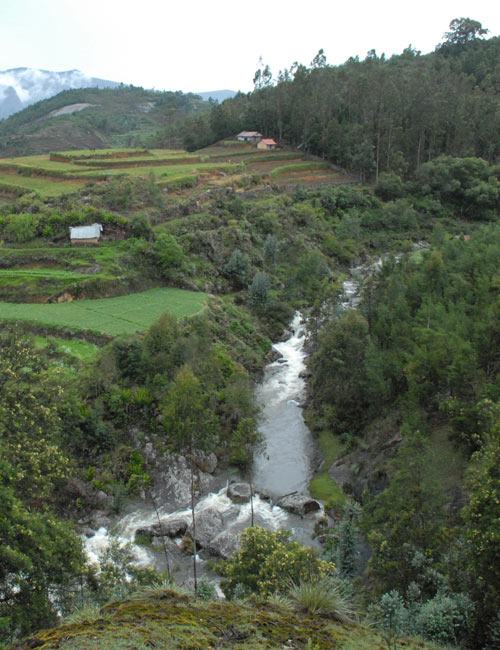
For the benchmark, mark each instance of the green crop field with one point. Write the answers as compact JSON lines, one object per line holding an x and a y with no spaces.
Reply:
{"x":46,"y":187}
{"x":114,"y":316}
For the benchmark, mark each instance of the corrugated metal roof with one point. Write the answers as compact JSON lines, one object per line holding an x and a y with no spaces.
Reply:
{"x":268,"y":141}
{"x":86,"y":232}
{"x":249,"y":134}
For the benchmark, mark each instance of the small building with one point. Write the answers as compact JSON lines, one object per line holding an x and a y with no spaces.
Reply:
{"x":267,"y":143}
{"x":81,"y":235}
{"x":249,"y":136}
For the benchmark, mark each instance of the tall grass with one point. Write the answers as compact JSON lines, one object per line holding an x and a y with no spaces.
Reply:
{"x":323,"y":598}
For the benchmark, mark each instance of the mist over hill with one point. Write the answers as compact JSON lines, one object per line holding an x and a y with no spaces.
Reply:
{"x":21,"y":87}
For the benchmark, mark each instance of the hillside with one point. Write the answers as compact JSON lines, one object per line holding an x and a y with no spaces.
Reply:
{"x":21,"y":87}
{"x":378,"y":114}
{"x":97,"y":118}
{"x":127,"y":410}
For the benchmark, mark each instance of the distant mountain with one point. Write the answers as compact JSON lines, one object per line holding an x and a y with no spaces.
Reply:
{"x":21,"y":87}
{"x":125,"y":116}
{"x":217,"y":95}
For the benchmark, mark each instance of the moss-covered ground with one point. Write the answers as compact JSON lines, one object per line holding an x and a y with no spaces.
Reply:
{"x":172,"y":622}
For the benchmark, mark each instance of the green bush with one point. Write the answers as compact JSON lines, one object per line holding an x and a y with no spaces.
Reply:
{"x":269,"y":562}
{"x":390,"y":186}
{"x":21,"y":228}
{"x":445,"y":618}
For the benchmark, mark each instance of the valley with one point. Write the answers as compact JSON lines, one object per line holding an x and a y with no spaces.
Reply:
{"x":264,"y":376}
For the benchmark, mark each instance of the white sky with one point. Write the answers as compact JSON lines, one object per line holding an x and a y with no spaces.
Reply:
{"x":200,"y":45}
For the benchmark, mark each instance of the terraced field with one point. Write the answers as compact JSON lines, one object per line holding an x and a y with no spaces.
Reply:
{"x":66,"y":172}
{"x":113,"y":316}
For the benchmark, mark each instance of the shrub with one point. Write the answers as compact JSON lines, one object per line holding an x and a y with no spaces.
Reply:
{"x":21,"y":228}
{"x":390,"y":186}
{"x":141,"y":227}
{"x":269,"y":562}
{"x":270,"y":250}
{"x":206,"y":589}
{"x":169,"y":254}
{"x":445,"y":618}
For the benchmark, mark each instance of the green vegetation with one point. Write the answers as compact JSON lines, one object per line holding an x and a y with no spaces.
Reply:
{"x":269,"y":563}
{"x":325,"y":488}
{"x":373,"y":115}
{"x":122,"y":315}
{"x":81,"y":350}
{"x":174,"y":620}
{"x":403,"y":390}
{"x":44,"y":186}
{"x":119,"y":117}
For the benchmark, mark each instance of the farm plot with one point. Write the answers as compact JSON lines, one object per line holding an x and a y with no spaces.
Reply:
{"x":46,"y":187}
{"x":114,"y":316}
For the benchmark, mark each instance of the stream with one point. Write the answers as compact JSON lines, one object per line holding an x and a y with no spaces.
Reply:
{"x":284,"y":466}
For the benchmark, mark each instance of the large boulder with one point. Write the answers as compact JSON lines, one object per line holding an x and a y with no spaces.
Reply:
{"x":298,"y":504}
{"x":239,"y":492}
{"x":209,"y":523}
{"x":166,"y":528}
{"x":171,"y":480}
{"x":206,"y":461}
{"x":225,"y":543}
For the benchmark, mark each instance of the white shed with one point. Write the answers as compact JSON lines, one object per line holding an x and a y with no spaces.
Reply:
{"x":85,"y":234}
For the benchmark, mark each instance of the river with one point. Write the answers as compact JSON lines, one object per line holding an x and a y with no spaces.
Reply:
{"x":282,"y":467}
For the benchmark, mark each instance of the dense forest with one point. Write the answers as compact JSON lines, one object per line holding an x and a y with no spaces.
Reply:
{"x":378,"y":114}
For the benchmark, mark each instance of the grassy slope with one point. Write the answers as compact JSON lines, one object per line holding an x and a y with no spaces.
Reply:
{"x":122,"y":315}
{"x":174,"y":622}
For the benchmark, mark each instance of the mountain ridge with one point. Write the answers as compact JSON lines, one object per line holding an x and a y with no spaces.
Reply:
{"x":21,"y":87}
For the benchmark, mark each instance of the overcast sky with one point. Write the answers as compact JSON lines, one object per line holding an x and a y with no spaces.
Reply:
{"x":200,"y":45}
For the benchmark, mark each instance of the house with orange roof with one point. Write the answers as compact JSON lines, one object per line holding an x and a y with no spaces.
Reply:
{"x":267,"y":143}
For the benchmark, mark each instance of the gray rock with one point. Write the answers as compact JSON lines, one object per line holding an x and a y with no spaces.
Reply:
{"x":171,"y":527}
{"x":298,"y":504}
{"x":285,"y":336}
{"x":167,"y":528}
{"x":86,"y":492}
{"x":209,"y":523}
{"x":239,"y":492}
{"x":265,"y":496}
{"x":225,"y":544}
{"x":207,"y":462}
{"x":100,"y":519}
{"x":102,"y":499}
{"x":171,"y":478}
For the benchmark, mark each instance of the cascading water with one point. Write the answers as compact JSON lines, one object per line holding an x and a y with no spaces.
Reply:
{"x":283,"y":467}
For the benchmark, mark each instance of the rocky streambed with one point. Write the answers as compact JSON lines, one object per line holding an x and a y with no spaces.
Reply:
{"x":274,"y":496}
